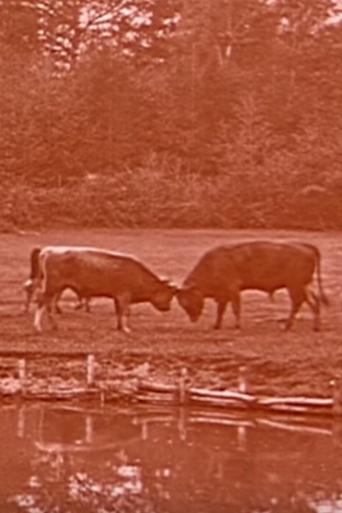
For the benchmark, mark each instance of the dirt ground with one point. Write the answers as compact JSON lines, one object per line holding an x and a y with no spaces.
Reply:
{"x":297,"y":362}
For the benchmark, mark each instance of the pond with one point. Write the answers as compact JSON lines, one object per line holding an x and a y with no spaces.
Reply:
{"x":61,"y":458}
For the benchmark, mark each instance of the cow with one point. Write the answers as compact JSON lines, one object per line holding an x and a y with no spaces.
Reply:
{"x":223,"y":272}
{"x":31,"y":284}
{"x":94,"y":272}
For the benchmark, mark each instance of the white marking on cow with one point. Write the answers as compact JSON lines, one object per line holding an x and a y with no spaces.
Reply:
{"x":38,"y":318}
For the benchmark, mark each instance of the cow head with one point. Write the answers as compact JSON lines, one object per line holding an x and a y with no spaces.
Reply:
{"x":162,"y":295}
{"x":192,"y":301}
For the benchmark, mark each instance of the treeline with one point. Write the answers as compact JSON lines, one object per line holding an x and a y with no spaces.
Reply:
{"x":197,"y":114}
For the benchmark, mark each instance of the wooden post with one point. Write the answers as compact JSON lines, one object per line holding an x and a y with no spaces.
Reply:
{"x":182,"y":424}
{"x":89,"y":429}
{"x":182,"y":386}
{"x":144,"y":430}
{"x":102,"y":398}
{"x":22,"y":371}
{"x":337,"y":396}
{"x":21,"y":422}
{"x":90,"y":369}
{"x":242,"y":438}
{"x":243,"y":385}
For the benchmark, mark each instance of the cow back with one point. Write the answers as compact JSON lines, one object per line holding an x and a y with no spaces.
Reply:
{"x":261,"y":265}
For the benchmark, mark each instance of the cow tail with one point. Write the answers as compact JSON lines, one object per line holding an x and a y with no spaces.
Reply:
{"x":35,"y":268}
{"x":322,"y":295}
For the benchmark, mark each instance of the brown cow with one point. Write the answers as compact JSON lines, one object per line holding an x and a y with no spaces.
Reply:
{"x":99,"y":273}
{"x":223,"y":272}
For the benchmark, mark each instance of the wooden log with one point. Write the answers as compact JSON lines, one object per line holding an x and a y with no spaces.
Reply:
{"x":225,"y":394}
{"x":296,"y":401}
{"x":158,"y":419}
{"x":59,"y":394}
{"x":55,"y":447}
{"x":42,"y":354}
{"x":289,"y":408}
{"x":156,"y":387}
{"x":213,"y":402}
{"x":191,"y":398}
{"x":220,"y":421}
{"x":231,"y":398}
{"x":295,"y":428}
{"x":156,"y":398}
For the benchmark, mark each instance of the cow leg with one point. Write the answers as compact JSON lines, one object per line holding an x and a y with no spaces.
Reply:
{"x":82,"y":302}
{"x":87,"y":305}
{"x":122,"y":311}
{"x":29,"y":287}
{"x":116,"y":309}
{"x":39,"y":313}
{"x":79,"y":304}
{"x":236,"y":307}
{"x":297,"y":298}
{"x":46,"y":303}
{"x":38,"y":318}
{"x":221,"y":308}
{"x":55,"y":308}
{"x":51,"y":308}
{"x":42,"y":307}
{"x":313,"y":301}
{"x":29,"y":294}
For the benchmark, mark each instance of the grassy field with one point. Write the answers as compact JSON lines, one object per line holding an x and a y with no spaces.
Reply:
{"x":299,"y":361}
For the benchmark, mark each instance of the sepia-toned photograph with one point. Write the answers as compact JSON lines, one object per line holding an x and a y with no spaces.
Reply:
{"x":171,"y":256}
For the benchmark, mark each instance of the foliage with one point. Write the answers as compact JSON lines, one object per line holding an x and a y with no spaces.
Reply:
{"x":172,"y":113}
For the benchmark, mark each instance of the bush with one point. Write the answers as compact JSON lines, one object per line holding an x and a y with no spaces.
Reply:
{"x":161,"y":194}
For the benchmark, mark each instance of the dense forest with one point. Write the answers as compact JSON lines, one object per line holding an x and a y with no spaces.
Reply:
{"x":171,"y":113}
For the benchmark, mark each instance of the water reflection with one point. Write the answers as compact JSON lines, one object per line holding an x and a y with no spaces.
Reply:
{"x":60,"y":460}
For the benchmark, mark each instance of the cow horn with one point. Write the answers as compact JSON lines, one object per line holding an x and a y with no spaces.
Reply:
{"x":175,"y":287}
{"x":28,"y":284}
{"x":170,"y":283}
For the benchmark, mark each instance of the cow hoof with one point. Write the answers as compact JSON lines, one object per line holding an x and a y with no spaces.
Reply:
{"x":123,"y":330}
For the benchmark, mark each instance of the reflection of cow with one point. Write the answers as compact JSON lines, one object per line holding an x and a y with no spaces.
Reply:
{"x":93,"y":273}
{"x":31,"y":284}
{"x":223,"y":272}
